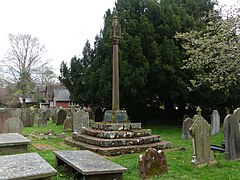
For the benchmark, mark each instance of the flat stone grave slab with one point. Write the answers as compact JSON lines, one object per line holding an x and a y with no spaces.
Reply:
{"x":13,"y":143}
{"x":90,"y":165}
{"x":25,"y":166}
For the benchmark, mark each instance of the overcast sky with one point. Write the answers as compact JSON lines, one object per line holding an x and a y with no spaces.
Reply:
{"x":62,"y":25}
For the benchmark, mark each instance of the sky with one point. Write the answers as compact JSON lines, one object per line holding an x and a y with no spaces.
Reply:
{"x":63,"y":26}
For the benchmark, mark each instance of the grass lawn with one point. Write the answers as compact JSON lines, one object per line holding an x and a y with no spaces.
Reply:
{"x":179,"y":161}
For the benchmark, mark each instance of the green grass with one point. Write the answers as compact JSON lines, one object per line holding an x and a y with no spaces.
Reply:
{"x":179,"y":162}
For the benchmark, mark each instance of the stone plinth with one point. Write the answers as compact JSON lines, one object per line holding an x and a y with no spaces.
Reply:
{"x":116,"y":126}
{"x":117,"y":134}
{"x":12,"y":143}
{"x":25,"y":166}
{"x":116,"y":142}
{"x":90,"y":165}
{"x":115,"y":116}
{"x":114,"y":151}
{"x":116,"y":138}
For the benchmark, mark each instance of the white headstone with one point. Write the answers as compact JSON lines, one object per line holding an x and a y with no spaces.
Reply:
{"x":215,"y":122}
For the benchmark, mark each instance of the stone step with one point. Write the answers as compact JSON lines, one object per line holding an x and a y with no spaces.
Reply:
{"x":113,"y":151}
{"x":117,"y":134}
{"x":115,"y":126}
{"x":116,"y":142}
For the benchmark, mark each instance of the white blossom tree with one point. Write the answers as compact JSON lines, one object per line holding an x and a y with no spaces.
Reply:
{"x":214,"y":52}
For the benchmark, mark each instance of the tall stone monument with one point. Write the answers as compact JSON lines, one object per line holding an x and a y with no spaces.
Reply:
{"x":115,"y":115}
{"x":115,"y":135}
{"x":200,"y":132}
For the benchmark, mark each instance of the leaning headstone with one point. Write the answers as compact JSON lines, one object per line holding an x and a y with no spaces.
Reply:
{"x":200,"y":132}
{"x":42,"y":121}
{"x":61,"y":116}
{"x":68,"y":124}
{"x":4,"y":115}
{"x":80,"y":120}
{"x":215,"y":122}
{"x":187,"y":123}
{"x":13,"y":125}
{"x":152,"y":163}
{"x":232,"y":135}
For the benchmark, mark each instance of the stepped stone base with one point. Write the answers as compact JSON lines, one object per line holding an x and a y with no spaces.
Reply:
{"x":117,"y":134}
{"x":116,"y":142}
{"x":113,"y":151}
{"x":116,"y":126}
{"x":116,"y":138}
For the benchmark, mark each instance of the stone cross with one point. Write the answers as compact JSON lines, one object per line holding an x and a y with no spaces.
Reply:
{"x":215,"y":122}
{"x":200,"y":132}
{"x":115,"y":37}
{"x":232,"y":135}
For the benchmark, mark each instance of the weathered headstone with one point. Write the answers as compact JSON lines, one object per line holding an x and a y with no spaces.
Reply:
{"x":24,"y":117}
{"x":61,"y":116}
{"x":187,"y":123}
{"x":42,"y":121}
{"x":80,"y":120}
{"x":200,"y":132}
{"x":29,"y":118}
{"x":32,"y":115}
{"x":232,"y":135}
{"x":215,"y":122}
{"x":152,"y":163}
{"x":48,"y":114}
{"x":54,"y":115}
{"x":98,"y":115}
{"x":73,"y":110}
{"x":13,"y":125}
{"x":4,"y":115}
{"x":17,"y":113}
{"x":68,"y":124}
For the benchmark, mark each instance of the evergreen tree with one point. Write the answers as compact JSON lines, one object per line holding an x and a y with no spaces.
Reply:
{"x":150,"y":57}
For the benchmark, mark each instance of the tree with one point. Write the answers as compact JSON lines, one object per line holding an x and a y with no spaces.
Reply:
{"x":214,"y":53}
{"x":23,"y":61}
{"x":47,"y":76}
